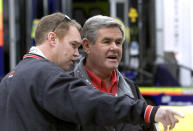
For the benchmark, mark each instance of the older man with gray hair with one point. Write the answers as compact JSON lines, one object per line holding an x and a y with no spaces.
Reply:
{"x":102,"y":43}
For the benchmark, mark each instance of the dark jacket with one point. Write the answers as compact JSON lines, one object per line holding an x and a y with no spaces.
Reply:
{"x":39,"y":96}
{"x":125,"y":87}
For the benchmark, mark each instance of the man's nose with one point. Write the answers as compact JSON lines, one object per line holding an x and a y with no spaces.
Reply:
{"x":76,"y":53}
{"x":113,"y":46}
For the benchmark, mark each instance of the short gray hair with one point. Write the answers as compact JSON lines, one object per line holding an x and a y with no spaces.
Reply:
{"x":93,"y":24}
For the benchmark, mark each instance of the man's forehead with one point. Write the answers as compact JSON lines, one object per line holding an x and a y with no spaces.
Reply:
{"x":111,"y":30}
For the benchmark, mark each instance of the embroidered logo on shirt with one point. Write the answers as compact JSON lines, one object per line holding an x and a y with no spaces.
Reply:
{"x":11,"y":73}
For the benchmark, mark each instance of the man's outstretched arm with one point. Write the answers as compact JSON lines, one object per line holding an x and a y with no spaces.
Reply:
{"x":66,"y":97}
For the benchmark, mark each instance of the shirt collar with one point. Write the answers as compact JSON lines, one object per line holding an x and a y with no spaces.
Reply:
{"x":35,"y":50}
{"x":100,"y":84}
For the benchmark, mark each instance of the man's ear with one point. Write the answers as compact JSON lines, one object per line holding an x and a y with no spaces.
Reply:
{"x":86,"y":45}
{"x":51,"y":38}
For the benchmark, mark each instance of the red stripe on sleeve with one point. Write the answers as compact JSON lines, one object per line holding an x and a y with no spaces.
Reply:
{"x":147,"y":113}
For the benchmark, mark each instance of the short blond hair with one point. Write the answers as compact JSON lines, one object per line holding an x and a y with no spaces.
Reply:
{"x":53,"y":22}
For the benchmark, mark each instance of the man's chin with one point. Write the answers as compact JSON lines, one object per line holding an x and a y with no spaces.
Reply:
{"x":70,"y":67}
{"x":111,"y":68}
{"x":67,"y":68}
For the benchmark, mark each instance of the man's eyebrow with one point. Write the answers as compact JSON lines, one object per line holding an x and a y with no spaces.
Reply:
{"x":76,"y":42}
{"x":107,"y":38}
{"x":120,"y":39}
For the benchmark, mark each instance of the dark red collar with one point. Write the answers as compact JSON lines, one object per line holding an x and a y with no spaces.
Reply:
{"x":101,"y":85}
{"x":32,"y":56}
